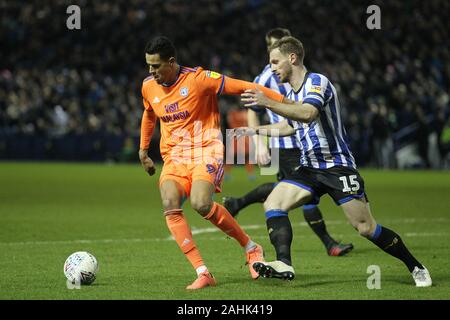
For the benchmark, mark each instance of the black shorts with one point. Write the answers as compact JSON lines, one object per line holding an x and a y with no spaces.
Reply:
{"x":289,"y":162}
{"x":341,"y":183}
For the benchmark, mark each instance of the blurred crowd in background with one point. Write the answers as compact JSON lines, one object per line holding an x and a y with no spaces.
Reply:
{"x":75,"y":94}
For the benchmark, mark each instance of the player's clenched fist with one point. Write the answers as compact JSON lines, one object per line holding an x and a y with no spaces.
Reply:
{"x":146,"y":162}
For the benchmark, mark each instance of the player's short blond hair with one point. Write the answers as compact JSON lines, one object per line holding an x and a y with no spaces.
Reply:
{"x":288,"y":45}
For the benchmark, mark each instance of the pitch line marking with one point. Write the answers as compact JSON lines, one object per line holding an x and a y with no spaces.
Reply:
{"x":196,"y":231}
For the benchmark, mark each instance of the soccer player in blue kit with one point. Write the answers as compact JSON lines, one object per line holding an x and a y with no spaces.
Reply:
{"x":326,"y":164}
{"x":288,"y":150}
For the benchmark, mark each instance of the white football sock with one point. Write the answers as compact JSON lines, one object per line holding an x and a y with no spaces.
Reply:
{"x":250,"y":245}
{"x":201,"y":269}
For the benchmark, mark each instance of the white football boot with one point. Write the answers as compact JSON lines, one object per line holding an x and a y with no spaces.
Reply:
{"x":421,"y":277}
{"x":274,"y":269}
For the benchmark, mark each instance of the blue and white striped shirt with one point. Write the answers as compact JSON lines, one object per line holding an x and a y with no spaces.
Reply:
{"x":324,"y":140}
{"x":270,"y":80}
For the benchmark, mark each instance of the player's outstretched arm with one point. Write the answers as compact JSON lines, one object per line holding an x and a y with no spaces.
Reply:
{"x":236,"y":87}
{"x":147,"y":126}
{"x":303,"y":112}
{"x":279,"y":129}
{"x":262,"y":152}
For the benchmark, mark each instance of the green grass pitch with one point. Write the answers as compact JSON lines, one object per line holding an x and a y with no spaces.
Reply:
{"x":50,"y":210}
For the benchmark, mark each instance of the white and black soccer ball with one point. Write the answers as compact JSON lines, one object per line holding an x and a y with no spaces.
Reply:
{"x":81,"y":267}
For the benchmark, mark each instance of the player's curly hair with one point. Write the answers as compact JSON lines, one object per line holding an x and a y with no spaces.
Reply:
{"x":288,"y":45}
{"x":161,"y":45}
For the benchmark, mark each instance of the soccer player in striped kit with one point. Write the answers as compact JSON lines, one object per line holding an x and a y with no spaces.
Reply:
{"x":327,"y":165}
{"x":288,"y":150}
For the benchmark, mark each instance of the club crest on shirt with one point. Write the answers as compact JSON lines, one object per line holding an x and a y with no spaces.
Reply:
{"x":184,"y":92}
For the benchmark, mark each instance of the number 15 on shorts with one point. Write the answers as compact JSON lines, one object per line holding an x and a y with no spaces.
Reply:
{"x":350,"y":183}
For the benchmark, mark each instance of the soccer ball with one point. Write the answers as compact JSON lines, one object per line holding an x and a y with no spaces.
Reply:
{"x":81,"y":267}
